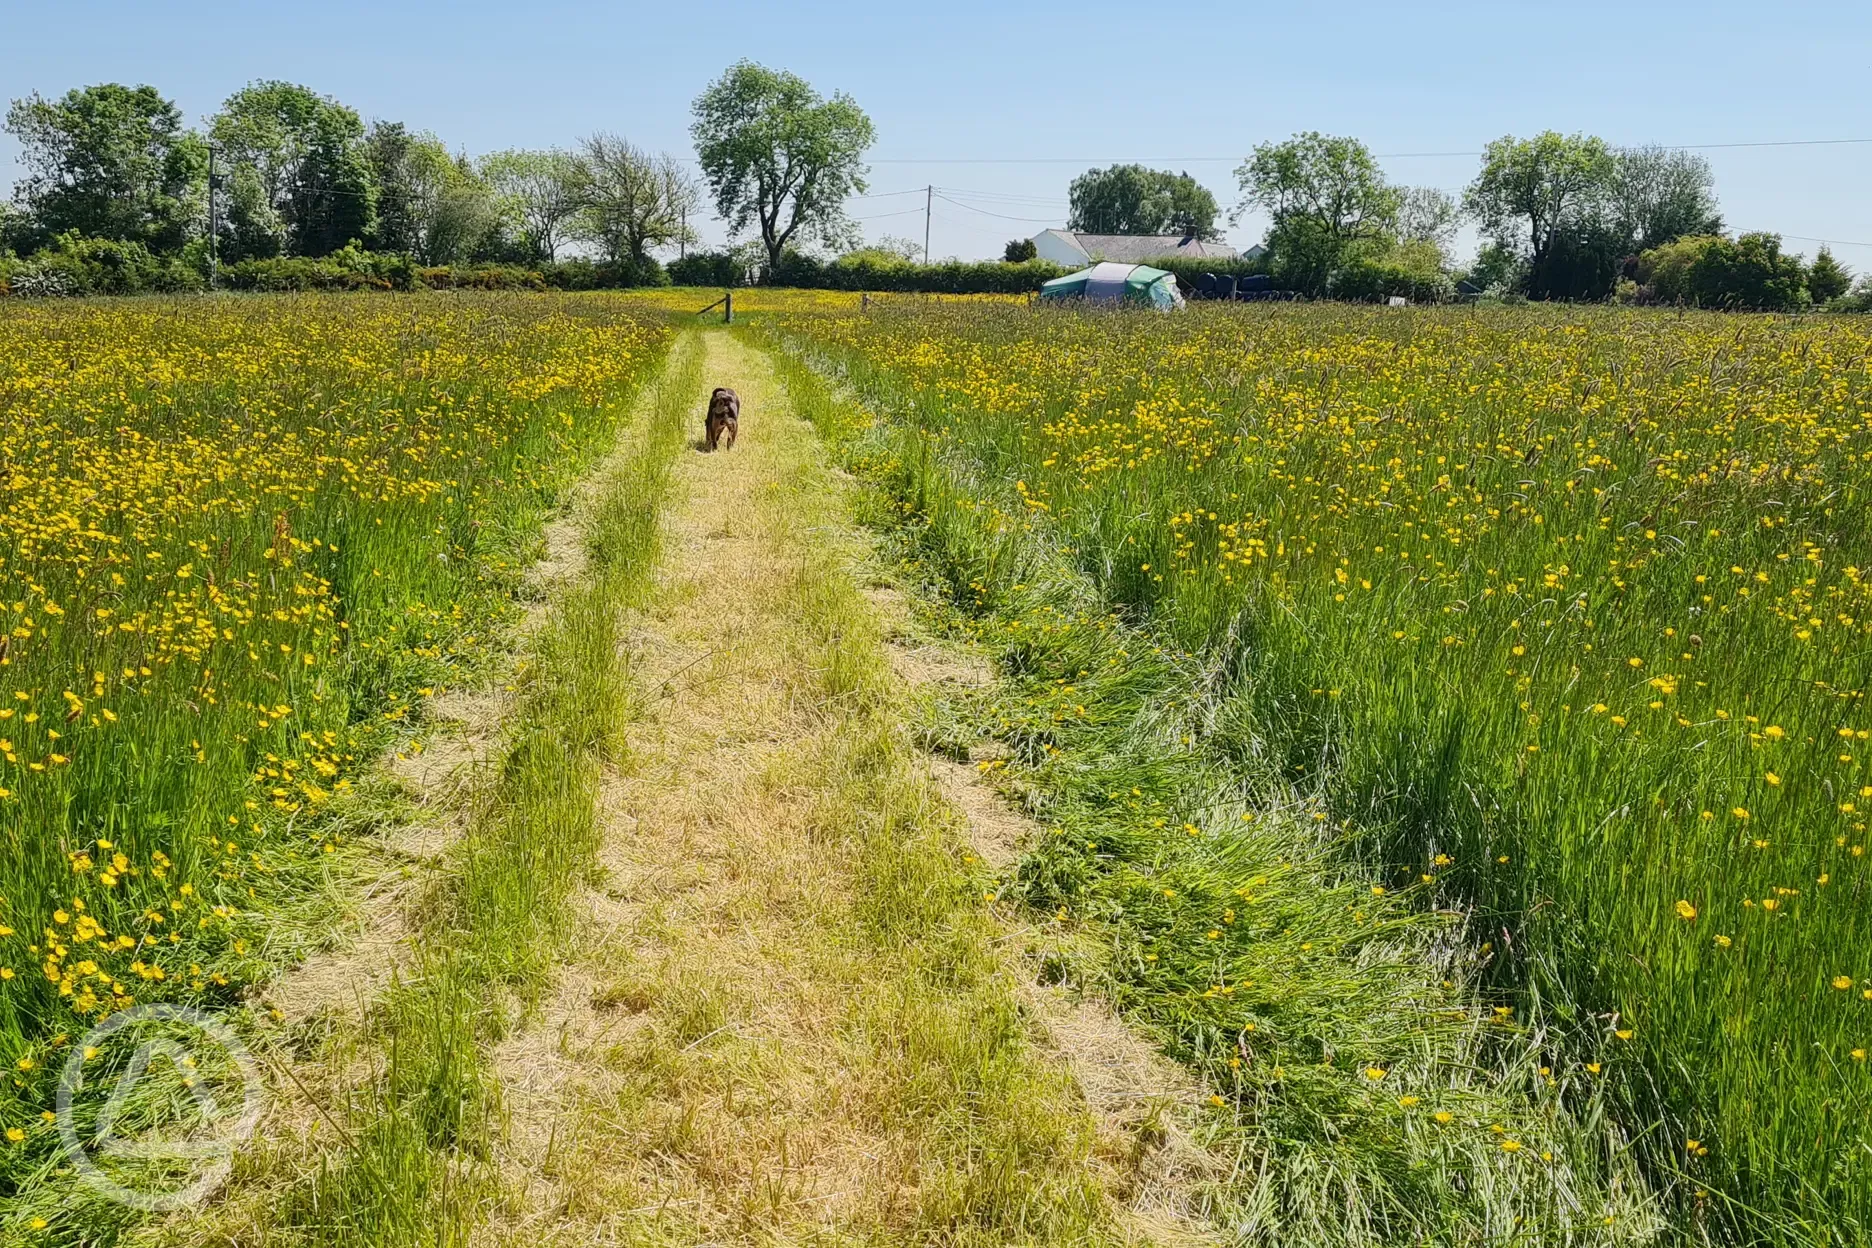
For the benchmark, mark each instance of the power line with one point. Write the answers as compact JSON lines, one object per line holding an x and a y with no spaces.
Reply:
{"x":1002,"y":215}
{"x":1004,"y":195}
{"x":1198,"y":160}
{"x":1831,"y":242}
{"x":902,"y":212}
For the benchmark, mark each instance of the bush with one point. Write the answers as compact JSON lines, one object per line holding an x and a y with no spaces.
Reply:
{"x":1707,"y":270}
{"x":952,"y":277}
{"x":1412,"y":271}
{"x":1189,"y":271}
{"x":349,"y":268}
{"x":1858,"y":299}
{"x":299,"y":273}
{"x":708,"y":268}
{"x":584,"y":274}
{"x":481,"y":277}
{"x":75,"y":264}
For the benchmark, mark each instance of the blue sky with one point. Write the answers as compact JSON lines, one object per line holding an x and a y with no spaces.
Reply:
{"x":1046,"y":89}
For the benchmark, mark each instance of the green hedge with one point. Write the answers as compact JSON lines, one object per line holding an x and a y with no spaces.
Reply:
{"x":952,"y":277}
{"x":481,"y":277}
{"x":1189,"y":271}
{"x":1368,"y":281}
{"x":708,"y":268}
{"x":75,"y":265}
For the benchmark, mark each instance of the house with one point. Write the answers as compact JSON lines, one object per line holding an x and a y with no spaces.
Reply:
{"x":1074,"y":250}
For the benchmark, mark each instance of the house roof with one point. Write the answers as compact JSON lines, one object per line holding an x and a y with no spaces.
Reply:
{"x":1138,"y":248}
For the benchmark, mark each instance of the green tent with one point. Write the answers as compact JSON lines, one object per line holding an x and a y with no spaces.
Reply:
{"x":1107,"y":282}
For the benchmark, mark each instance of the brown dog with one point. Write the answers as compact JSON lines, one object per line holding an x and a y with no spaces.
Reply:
{"x":724,"y":416}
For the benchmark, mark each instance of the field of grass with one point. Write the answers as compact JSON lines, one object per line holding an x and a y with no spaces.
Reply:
{"x":1467,"y":704}
{"x":242,"y":541}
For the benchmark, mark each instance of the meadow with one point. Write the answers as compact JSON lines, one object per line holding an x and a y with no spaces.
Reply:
{"x":242,"y":542}
{"x":1541,"y":633}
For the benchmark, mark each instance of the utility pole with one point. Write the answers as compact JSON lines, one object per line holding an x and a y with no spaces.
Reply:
{"x":214,"y":224}
{"x":682,"y":240}
{"x":929,"y":196}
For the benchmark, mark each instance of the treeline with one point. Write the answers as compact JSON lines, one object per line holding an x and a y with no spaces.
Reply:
{"x":1564,"y":216}
{"x":289,"y":189}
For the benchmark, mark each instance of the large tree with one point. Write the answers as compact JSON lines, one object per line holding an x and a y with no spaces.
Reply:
{"x":539,"y":193}
{"x":301,"y":173}
{"x":1657,"y":194}
{"x":109,"y":161}
{"x":1529,"y":190}
{"x":390,"y":150}
{"x":1325,"y":194}
{"x":431,"y":204}
{"x":632,"y":202}
{"x":1131,"y":199}
{"x":777,"y":154}
{"x":1427,"y":215}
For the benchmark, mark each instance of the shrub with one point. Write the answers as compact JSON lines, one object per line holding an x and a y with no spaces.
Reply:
{"x":75,"y":264}
{"x":708,"y":268}
{"x":1859,"y":299}
{"x":481,"y":277}
{"x":951,"y":277}
{"x":1411,"y":271}
{"x":1189,"y":271}
{"x":582,"y":274}
{"x":1750,"y":272}
{"x":299,"y":273}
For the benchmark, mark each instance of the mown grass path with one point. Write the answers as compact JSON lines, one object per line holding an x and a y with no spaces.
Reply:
{"x":787,"y":1017}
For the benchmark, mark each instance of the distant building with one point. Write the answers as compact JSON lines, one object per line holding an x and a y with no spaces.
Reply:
{"x":1074,"y":250}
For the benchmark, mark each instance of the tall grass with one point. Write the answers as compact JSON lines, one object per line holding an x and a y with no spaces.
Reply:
{"x":1560,"y":617}
{"x":242,"y":541}
{"x":412,"y":1174}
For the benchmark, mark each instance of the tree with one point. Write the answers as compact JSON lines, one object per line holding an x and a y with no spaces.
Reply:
{"x":1827,"y":279}
{"x":1657,"y":194}
{"x":1020,"y":251}
{"x":308,"y":186}
{"x":539,"y":193}
{"x":1130,"y":199}
{"x":778,"y":155}
{"x":908,"y":250}
{"x":1325,"y":194}
{"x":1583,"y":261}
{"x":632,"y":201}
{"x":390,"y":149}
{"x":15,"y":228}
{"x":1497,"y":268}
{"x":430,"y":204}
{"x":1530,"y":189}
{"x":1427,"y":215}
{"x":109,"y":161}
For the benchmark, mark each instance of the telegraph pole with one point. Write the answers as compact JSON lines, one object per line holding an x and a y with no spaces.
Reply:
{"x":929,"y":195}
